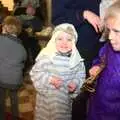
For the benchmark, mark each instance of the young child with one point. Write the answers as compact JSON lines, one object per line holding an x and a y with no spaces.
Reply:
{"x":12,"y":58}
{"x":57,"y":75}
{"x":105,"y":103}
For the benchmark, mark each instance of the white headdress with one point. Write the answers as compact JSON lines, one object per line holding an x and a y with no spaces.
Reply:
{"x":50,"y":49}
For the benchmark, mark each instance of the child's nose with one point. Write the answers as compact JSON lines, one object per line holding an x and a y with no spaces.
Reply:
{"x":64,"y":41}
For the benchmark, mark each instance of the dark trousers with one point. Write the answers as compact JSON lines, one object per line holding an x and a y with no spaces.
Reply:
{"x":79,"y":106}
{"x":14,"y":103}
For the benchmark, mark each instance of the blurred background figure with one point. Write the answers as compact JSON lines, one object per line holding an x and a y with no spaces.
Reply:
{"x":12,"y":61}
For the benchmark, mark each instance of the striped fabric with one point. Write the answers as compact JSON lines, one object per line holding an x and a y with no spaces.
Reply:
{"x":52,"y":103}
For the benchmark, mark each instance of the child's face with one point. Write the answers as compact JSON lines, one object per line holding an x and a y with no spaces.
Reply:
{"x":64,"y":42}
{"x":113,"y":26}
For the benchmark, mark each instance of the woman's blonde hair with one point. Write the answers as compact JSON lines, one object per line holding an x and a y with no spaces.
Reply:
{"x":13,"y":25}
{"x":113,"y":11}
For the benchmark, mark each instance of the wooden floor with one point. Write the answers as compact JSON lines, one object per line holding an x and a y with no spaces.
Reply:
{"x":26,"y":101}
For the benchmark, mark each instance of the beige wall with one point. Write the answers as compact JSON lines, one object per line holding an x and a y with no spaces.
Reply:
{"x":8,"y":3}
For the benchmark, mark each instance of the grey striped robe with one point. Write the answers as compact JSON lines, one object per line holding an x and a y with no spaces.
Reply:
{"x":52,"y":103}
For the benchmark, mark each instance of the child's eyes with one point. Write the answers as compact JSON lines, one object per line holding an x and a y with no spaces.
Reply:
{"x":62,"y":39}
{"x":69,"y":39}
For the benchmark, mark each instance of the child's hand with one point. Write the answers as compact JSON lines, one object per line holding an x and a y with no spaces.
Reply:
{"x":71,"y":86}
{"x":56,"y":81}
{"x":94,"y":70}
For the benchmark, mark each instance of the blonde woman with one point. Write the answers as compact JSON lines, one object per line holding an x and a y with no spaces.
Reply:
{"x":105,"y":103}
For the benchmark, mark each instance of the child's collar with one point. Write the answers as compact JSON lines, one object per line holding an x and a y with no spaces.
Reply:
{"x":67,"y":54}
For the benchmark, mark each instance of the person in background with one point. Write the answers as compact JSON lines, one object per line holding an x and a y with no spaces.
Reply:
{"x":105,"y":103}
{"x":12,"y":59}
{"x":31,"y":24}
{"x":29,"y":20}
{"x":58,"y":74}
{"x":20,"y":7}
